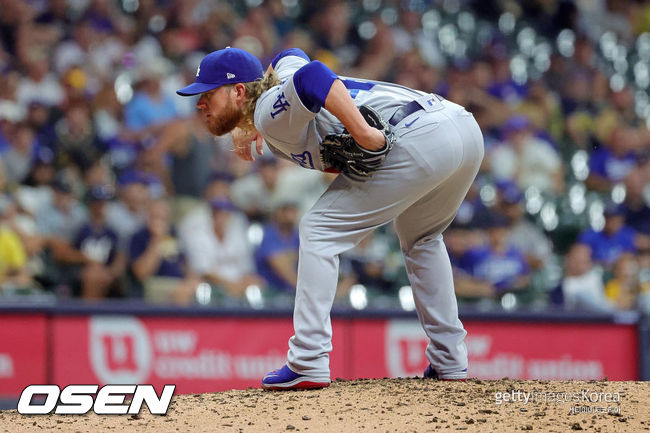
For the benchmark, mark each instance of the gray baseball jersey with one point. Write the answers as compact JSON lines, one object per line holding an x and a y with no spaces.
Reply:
{"x":296,"y":134}
{"x":421,"y":184}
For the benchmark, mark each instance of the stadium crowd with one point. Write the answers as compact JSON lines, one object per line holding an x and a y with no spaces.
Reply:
{"x":110,"y":187}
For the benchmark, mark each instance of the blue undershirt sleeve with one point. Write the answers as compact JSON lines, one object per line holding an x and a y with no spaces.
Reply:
{"x":312,"y":83}
{"x":289,"y":52}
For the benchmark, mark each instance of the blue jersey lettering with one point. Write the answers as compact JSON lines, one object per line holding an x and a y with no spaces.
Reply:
{"x":304,"y":159}
{"x":280,"y":105}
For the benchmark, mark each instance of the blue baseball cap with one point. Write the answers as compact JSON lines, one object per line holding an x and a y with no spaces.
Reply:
{"x":515,"y":124}
{"x":133,"y":176}
{"x":223,"y":203}
{"x":510,"y":192}
{"x":221,"y":176}
{"x":613,"y":209}
{"x":227,"y":66}
{"x":495,"y":220}
{"x":99,"y":193}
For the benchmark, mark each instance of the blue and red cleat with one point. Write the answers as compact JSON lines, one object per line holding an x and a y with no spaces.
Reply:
{"x":286,"y":379}
{"x":430,"y":373}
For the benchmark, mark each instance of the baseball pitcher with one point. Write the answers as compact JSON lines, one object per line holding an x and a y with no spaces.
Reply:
{"x":403,"y":155}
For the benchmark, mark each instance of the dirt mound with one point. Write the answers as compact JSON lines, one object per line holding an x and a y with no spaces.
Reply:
{"x":384,"y":405}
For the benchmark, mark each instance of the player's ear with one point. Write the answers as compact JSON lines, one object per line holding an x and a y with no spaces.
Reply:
{"x":240,"y":91}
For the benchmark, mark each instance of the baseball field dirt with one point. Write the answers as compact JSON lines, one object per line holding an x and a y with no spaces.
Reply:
{"x":383,"y":405}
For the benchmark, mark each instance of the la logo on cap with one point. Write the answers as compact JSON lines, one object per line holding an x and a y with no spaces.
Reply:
{"x":230,"y":76}
{"x":198,"y":70}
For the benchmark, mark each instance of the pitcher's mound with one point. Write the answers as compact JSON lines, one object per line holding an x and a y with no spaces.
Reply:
{"x":384,"y":405}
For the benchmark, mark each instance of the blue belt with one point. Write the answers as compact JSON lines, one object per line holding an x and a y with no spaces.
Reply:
{"x":404,"y":111}
{"x":408,"y":109}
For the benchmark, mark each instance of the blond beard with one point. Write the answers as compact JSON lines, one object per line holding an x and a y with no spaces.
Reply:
{"x":225,"y":123}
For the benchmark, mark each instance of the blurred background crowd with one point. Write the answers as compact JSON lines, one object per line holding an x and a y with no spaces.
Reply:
{"x":111,"y":188}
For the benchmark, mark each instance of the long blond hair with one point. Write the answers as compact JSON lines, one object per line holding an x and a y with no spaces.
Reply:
{"x":254,"y":90}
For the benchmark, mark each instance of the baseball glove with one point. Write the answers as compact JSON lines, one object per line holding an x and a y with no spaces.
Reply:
{"x":343,"y":153}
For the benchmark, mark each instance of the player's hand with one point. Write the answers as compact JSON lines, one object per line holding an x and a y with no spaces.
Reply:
{"x":242,"y":140}
{"x":373,"y":139}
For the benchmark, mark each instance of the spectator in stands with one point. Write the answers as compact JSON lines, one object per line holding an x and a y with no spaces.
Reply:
{"x":150,"y":108}
{"x":193,"y":159}
{"x":460,"y":238}
{"x":332,"y":29}
{"x":276,"y":257}
{"x":257,"y":30}
{"x":36,"y":192}
{"x":275,"y":182}
{"x":636,"y":207}
{"x":77,"y":143}
{"x":473,"y":210}
{"x":39,"y":83}
{"x":613,"y":240}
{"x":411,"y":70}
{"x":301,"y":186}
{"x":199,"y":217}
{"x":504,"y":87}
{"x":583,"y":97}
{"x":103,"y":264}
{"x":222,"y":254}
{"x":157,"y":261}
{"x":526,"y":159}
{"x":24,"y":226}
{"x":57,"y":56}
{"x":98,"y":173}
{"x":10,"y":110}
{"x":624,"y":288}
{"x":582,"y":287}
{"x":61,"y":219}
{"x":126,"y":215}
{"x":107,"y":115}
{"x":497,"y":264}
{"x":620,"y":111}
{"x":150,"y":163}
{"x":255,"y":193}
{"x":410,"y":38}
{"x":13,"y":258}
{"x":18,"y":159}
{"x":40,"y":119}
{"x":58,"y":222}
{"x":469,"y":85}
{"x":76,"y":50}
{"x":218,"y":185}
{"x":577,"y":90}
{"x":378,"y":56}
{"x":368,"y":264}
{"x":523,"y":235}
{"x":610,"y":163}
{"x":181,"y":45}
{"x":608,"y":16}
{"x":542,"y":107}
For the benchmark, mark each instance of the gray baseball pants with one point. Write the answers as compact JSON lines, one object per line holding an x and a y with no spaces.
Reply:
{"x":420,"y":186}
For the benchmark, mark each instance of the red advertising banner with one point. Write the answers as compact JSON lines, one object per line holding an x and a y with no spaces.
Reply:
{"x":214,"y":353}
{"x":556,"y":351}
{"x":23,"y":352}
{"x":196,"y":354}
